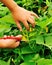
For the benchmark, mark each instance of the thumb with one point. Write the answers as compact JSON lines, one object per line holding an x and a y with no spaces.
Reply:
{"x":16,"y":44}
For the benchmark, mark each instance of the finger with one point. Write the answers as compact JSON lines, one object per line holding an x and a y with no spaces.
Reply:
{"x":26,"y":25}
{"x":5,"y":43}
{"x":30,"y":20}
{"x":20,"y":36}
{"x":34,"y":14}
{"x":18,"y":25}
{"x":32,"y":17}
{"x":16,"y":44}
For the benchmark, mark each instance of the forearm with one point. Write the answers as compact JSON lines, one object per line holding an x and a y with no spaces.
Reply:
{"x":10,"y":4}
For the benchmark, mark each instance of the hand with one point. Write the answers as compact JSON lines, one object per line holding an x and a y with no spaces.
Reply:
{"x":9,"y":43}
{"x":24,"y":16}
{"x":20,"y":14}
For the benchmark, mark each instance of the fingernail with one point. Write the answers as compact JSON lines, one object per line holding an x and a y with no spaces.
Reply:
{"x":8,"y":36}
{"x":28,"y":28}
{"x":33,"y":25}
{"x":20,"y":29}
{"x":5,"y":35}
{"x":19,"y":36}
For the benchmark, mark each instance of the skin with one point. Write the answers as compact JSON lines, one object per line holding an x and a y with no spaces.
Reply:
{"x":20,"y":15}
{"x":9,"y":43}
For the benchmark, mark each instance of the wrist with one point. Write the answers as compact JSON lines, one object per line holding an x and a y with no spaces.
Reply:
{"x":11,"y":4}
{"x":13,"y":9}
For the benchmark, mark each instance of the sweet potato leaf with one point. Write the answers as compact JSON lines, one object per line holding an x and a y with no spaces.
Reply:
{"x":43,"y":61}
{"x":39,"y":39}
{"x":3,"y":62}
{"x":28,"y":63}
{"x":7,"y":19}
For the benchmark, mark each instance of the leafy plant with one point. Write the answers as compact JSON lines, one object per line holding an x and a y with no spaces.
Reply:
{"x":36,"y":44}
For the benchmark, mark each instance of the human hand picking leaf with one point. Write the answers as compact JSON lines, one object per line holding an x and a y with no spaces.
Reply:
{"x":10,"y":41}
{"x":20,"y":14}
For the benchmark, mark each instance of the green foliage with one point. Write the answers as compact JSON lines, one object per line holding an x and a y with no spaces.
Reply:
{"x":37,"y":49}
{"x":3,"y":62}
{"x":3,"y":10}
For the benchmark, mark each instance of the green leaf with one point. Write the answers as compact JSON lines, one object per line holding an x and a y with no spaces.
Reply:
{"x":39,"y":39}
{"x":24,"y":50}
{"x":28,"y":63}
{"x":48,"y":41}
{"x":28,"y":57}
{"x":45,"y":22}
{"x":3,"y":62}
{"x":43,"y":61}
{"x":31,"y":57}
{"x":47,"y":2}
{"x":7,"y":19}
{"x":3,"y":11}
{"x":8,"y":62}
{"x":50,"y":9}
{"x":4,"y":28}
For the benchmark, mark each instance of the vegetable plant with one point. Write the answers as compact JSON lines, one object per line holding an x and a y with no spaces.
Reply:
{"x":36,"y":45}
